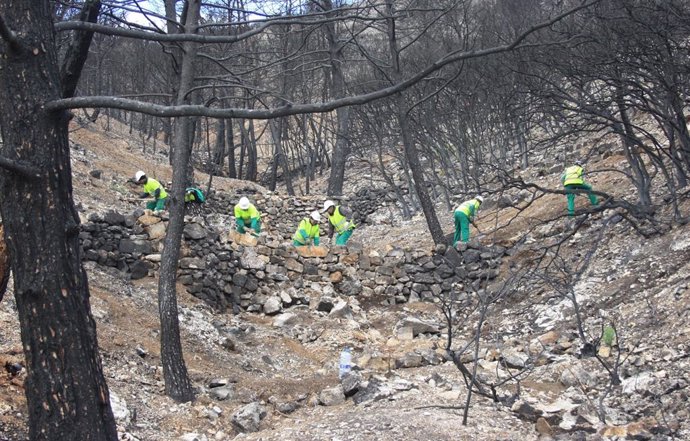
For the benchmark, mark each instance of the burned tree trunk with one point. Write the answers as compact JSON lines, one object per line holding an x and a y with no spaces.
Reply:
{"x":66,"y":392}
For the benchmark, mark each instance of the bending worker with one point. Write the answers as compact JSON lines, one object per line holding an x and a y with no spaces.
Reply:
{"x":152,"y":188}
{"x":308,"y":230}
{"x":465,"y":214}
{"x":338,"y":223}
{"x":572,"y":180}
{"x":247,"y":216}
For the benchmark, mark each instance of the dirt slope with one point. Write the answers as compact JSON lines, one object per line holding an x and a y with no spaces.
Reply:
{"x":287,"y":369}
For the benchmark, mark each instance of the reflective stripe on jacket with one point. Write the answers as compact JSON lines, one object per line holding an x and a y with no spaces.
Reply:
{"x":249,"y":213}
{"x":573,"y":175}
{"x":470,"y":208}
{"x":340,"y":222}
{"x":305,"y":230}
{"x":152,"y":185}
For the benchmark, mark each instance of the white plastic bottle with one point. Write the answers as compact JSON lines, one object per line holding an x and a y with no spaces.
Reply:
{"x":345,"y":362}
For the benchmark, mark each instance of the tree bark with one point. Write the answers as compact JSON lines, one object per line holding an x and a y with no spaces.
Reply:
{"x":65,"y":389}
{"x":4,"y":263}
{"x":78,"y":50}
{"x":177,"y":384}
{"x":341,"y":150}
{"x":230,"y":142}
{"x":409,"y":146}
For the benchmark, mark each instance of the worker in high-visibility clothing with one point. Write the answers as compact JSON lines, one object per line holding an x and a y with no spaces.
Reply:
{"x":572,"y":180}
{"x":152,"y":188}
{"x":247,"y":216}
{"x":307,"y":231}
{"x":465,"y":214}
{"x":338,"y":222}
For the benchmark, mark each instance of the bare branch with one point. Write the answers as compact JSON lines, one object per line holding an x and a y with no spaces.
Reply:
{"x":198,"y":38}
{"x":290,"y":109}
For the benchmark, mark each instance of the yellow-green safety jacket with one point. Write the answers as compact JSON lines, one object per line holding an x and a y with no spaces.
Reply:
{"x":340,"y":222}
{"x":306,"y":230}
{"x":152,"y":185}
{"x":249,"y":213}
{"x":572,"y":175}
{"x":470,"y":208}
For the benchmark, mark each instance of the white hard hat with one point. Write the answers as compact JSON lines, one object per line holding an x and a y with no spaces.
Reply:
{"x":480,"y":199}
{"x":244,"y":203}
{"x":138,"y":175}
{"x":328,"y":204}
{"x":316,"y":216}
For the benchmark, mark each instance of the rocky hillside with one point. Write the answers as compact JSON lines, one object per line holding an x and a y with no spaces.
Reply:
{"x":263,"y":328}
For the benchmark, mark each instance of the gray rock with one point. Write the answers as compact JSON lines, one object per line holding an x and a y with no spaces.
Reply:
{"x":192,"y":263}
{"x":418,"y":326}
{"x":351,"y":383}
{"x":409,"y":360}
{"x":273,"y":305}
{"x":120,"y":410}
{"x":575,"y":375}
{"x":193,"y":437}
{"x":294,"y":265}
{"x":250,"y":260}
{"x":514,"y":359}
{"x":249,"y":417}
{"x":194,"y":231}
{"x":332,"y":396}
{"x":341,"y":310}
{"x":113,"y":218}
{"x":349,"y":287}
{"x":375,"y":390}
{"x":96,"y":173}
{"x":222,"y":393}
{"x":139,"y":269}
{"x":135,"y":246}
{"x":526,"y":411}
{"x":325,"y":304}
{"x":286,"y":319}
{"x":471,"y":256}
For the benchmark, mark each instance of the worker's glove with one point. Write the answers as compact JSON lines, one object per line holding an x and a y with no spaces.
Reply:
{"x":143,"y":195}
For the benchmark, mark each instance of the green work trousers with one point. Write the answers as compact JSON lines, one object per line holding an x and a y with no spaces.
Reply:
{"x":254,"y":224}
{"x":341,"y":238}
{"x":462,"y":228}
{"x":571,"y":195}
{"x":157,"y":205}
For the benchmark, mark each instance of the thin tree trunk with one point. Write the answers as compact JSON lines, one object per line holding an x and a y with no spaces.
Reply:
{"x":230,"y":142}
{"x":409,"y":146}
{"x":177,"y":384}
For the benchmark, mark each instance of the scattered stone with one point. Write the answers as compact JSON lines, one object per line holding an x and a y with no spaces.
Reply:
{"x":249,"y":417}
{"x":332,"y":396}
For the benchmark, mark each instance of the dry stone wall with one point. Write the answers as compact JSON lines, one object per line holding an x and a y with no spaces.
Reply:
{"x":272,"y":276}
